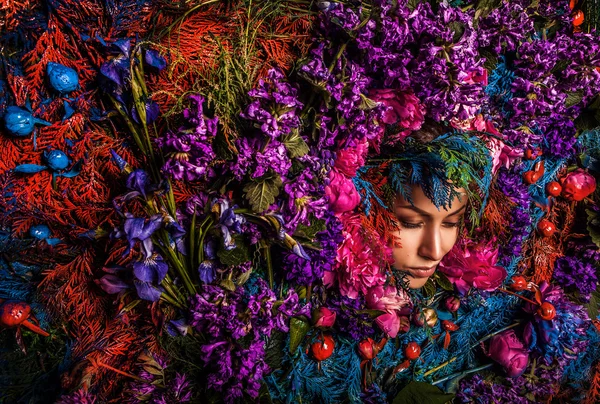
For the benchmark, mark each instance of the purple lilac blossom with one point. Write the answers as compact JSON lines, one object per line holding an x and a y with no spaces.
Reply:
{"x":190,"y":148}
{"x":575,"y":274}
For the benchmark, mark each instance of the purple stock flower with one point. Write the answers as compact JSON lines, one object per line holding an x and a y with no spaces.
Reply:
{"x":573,"y":273}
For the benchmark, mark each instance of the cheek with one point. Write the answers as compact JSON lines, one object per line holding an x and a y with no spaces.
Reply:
{"x":449,"y":240}
{"x":404,"y":255}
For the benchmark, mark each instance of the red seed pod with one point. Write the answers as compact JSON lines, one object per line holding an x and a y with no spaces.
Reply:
{"x":13,"y":313}
{"x":367,"y":349}
{"x":323,"y":349}
{"x":578,"y":18}
{"x":519,"y":283}
{"x":412,"y":351}
{"x":530,"y":154}
{"x":553,"y":188}
{"x":448,"y":325}
{"x":546,"y":228}
{"x":547,"y":311}
{"x":529,"y":177}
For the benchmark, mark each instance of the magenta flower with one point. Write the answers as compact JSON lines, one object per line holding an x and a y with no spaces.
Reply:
{"x":473,"y":266}
{"x":578,"y":185}
{"x":351,"y":159}
{"x":395,"y":303}
{"x":404,"y":110}
{"x":343,"y":196}
{"x":506,"y":349}
{"x":323,"y":317}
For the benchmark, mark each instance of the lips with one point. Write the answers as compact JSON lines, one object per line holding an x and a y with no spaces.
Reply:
{"x":421,"y":272}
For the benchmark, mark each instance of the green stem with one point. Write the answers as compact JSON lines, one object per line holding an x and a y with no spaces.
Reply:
{"x":170,"y":300}
{"x":185,"y":277}
{"x":462,"y":374}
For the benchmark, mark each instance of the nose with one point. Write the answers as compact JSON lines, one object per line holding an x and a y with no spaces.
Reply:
{"x":431,"y":244}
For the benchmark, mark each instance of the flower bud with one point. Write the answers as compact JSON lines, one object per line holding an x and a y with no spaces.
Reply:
{"x":367,"y":349}
{"x":506,"y":349}
{"x":452,"y":303}
{"x":323,"y":317}
{"x":578,"y":184}
{"x":426,"y":316}
{"x":57,"y":160}
{"x":62,"y":78}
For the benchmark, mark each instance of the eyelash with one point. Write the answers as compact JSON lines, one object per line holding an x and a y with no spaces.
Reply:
{"x":408,"y":225}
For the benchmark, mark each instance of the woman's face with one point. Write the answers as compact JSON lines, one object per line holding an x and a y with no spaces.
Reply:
{"x":426,"y":235}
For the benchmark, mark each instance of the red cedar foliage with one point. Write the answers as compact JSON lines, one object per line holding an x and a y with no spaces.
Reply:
{"x":593,"y":394}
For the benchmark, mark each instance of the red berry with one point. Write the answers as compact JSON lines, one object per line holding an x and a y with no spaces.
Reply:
{"x":578,"y":18}
{"x":553,"y":188}
{"x":529,"y":154}
{"x":13,"y":313}
{"x":367,"y":349}
{"x":529,"y":177}
{"x":572,"y":4}
{"x":547,"y":311}
{"x":546,"y":228}
{"x":519,"y":283}
{"x":412,"y":351}
{"x":323,"y":349}
{"x":449,"y":325}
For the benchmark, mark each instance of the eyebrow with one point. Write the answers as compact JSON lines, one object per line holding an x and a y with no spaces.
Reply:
{"x":423,"y":213}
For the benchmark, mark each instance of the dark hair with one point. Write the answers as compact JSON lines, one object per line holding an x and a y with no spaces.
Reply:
{"x":429,"y":131}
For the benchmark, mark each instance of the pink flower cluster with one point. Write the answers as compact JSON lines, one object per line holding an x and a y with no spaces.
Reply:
{"x":473,"y":266}
{"x":342,"y":194}
{"x":404,"y":110}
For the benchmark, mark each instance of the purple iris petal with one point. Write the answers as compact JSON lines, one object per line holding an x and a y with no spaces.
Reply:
{"x":116,"y":70}
{"x":152,"y":112}
{"x":139,"y":181}
{"x":124,"y":46}
{"x":141,"y":229}
{"x":206,"y":270}
{"x":179,"y":327}
{"x":153,"y":58}
{"x":111,"y":284}
{"x":153,"y":269}
{"x":146,"y":291}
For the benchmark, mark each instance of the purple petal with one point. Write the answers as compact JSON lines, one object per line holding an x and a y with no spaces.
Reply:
{"x":111,"y":284}
{"x":153,"y":269}
{"x":153,"y":58}
{"x":124,"y":45}
{"x":146,"y":291}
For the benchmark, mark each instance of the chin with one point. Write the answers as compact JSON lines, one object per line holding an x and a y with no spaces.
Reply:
{"x":416,"y":283}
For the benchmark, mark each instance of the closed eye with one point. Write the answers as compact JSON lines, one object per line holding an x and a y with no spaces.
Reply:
{"x":409,"y":225}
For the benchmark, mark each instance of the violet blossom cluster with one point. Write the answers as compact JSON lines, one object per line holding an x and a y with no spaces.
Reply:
{"x":573,"y":273}
{"x":306,"y":271}
{"x":177,"y":390}
{"x":189,"y":149}
{"x":234,"y":367}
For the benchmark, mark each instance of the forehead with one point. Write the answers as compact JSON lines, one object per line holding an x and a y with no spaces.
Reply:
{"x":421,"y":202}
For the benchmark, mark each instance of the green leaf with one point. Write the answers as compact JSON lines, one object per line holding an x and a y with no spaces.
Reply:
{"x":412,"y":4}
{"x":422,"y":393}
{"x":593,"y":226}
{"x":574,"y":98}
{"x":443,"y":281}
{"x":367,"y":104}
{"x":310,"y":232}
{"x":274,"y":349}
{"x":587,"y":120}
{"x":236,"y":256}
{"x":298,"y":329}
{"x":484,"y":7}
{"x":491,"y":60}
{"x":592,"y":305}
{"x":295,"y":145}
{"x":153,"y":370}
{"x":262,"y":194}
{"x":560,"y":66}
{"x":429,"y":288}
{"x":373,"y":313}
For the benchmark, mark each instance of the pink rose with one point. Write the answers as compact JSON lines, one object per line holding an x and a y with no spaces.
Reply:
{"x":396,"y":305}
{"x":360,"y":258}
{"x":506,"y":349}
{"x":342,"y":193}
{"x":323,"y":317}
{"x":404,"y":109}
{"x":473,"y":267}
{"x":351,"y":159}
{"x":578,"y":185}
